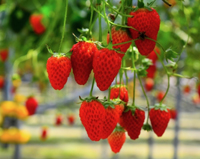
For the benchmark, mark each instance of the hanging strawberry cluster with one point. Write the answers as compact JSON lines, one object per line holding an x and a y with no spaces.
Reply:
{"x":113,"y":116}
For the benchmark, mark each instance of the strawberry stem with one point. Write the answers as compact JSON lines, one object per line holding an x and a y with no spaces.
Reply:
{"x":91,"y":16}
{"x":100,"y":29}
{"x":93,"y":81}
{"x":134,"y":74}
{"x":109,"y":89}
{"x":64,"y":23}
{"x":125,"y":71}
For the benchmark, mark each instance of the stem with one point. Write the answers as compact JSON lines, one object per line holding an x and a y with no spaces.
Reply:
{"x":145,"y":97}
{"x":91,"y":16}
{"x":107,"y":21}
{"x":93,"y":81}
{"x":64,"y":23}
{"x":168,"y":85}
{"x":124,"y":65}
{"x":100,"y":29}
{"x":109,"y":89}
{"x":120,"y":81}
{"x":134,"y":73}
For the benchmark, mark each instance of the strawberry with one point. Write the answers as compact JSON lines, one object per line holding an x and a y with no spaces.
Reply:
{"x":44,"y":133}
{"x":59,"y":120}
{"x":114,"y":93}
{"x":71,"y":119}
{"x":149,"y":83}
{"x":58,"y":69}
{"x":160,"y":95}
{"x":1,"y":82}
{"x":153,"y":56}
{"x":31,"y":105}
{"x":3,"y":55}
{"x":119,"y":108}
{"x":133,"y":120}
{"x":117,"y":139}
{"x":106,"y":65}
{"x":159,"y":117}
{"x":92,"y":115}
{"x":82,"y":57}
{"x":147,"y":24}
{"x":119,"y":35}
{"x":110,"y":121}
{"x":151,"y":71}
{"x":173,"y":113}
{"x":198,"y":89}
{"x":36,"y":23}
{"x":186,"y":89}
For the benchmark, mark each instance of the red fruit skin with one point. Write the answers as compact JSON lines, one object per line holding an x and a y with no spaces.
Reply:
{"x":106,"y":65}
{"x":81,"y":59}
{"x":160,"y":96}
{"x":58,"y":69}
{"x":58,"y":120}
{"x":44,"y":134}
{"x":1,"y":82}
{"x":119,"y":36}
{"x":133,"y":123}
{"x":149,"y":83}
{"x":71,"y":119}
{"x":31,"y":105}
{"x":119,"y":109}
{"x":116,"y":140}
{"x":159,"y":120}
{"x":153,"y":56}
{"x":148,"y":23}
{"x":92,"y":115}
{"x":173,"y":114}
{"x":114,"y":93}
{"x":3,"y":55}
{"x":36,"y":23}
{"x":198,"y":89}
{"x":186,"y":89}
{"x":151,"y":71}
{"x":110,"y":121}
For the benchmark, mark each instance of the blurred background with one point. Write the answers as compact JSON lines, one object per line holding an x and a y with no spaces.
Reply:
{"x":55,"y":130}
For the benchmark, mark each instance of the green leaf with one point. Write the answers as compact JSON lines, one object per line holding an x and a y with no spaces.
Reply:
{"x":141,"y":71}
{"x":146,"y":62}
{"x":150,"y":3}
{"x":170,"y":54}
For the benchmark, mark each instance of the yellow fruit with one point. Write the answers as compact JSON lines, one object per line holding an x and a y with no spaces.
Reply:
{"x":21,"y":112}
{"x":23,"y":137}
{"x":5,"y":137}
{"x":172,"y":2}
{"x":16,"y":83}
{"x":13,"y":135}
{"x":8,"y":108}
{"x":18,"y":98}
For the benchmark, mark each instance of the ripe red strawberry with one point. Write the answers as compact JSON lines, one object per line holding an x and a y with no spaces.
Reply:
{"x":71,"y":119}
{"x":92,"y":115}
{"x":44,"y":134}
{"x":4,"y":55}
{"x":133,"y":120}
{"x":186,"y":89}
{"x":82,"y":57}
{"x":114,"y":93}
{"x":119,"y":108}
{"x":160,"y":95}
{"x":147,"y":24}
{"x":58,"y":69}
{"x":198,"y":89}
{"x":119,"y":35}
{"x":159,"y":120}
{"x":173,"y":113}
{"x":117,"y":139}
{"x":149,"y":83}
{"x":151,"y":71}
{"x":31,"y":105}
{"x":106,"y":65}
{"x":110,"y":121}
{"x":36,"y":23}
{"x":153,"y":56}
{"x":59,"y":120}
{"x":1,"y":82}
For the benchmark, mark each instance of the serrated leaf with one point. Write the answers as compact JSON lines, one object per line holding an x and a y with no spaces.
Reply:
{"x":151,"y":3}
{"x":142,"y":72}
{"x":170,"y":54}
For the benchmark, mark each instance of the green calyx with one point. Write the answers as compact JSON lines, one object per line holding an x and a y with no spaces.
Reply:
{"x":89,"y":99}
{"x":118,"y":86}
{"x":147,"y":127}
{"x":140,"y":4}
{"x":159,"y":106}
{"x":112,"y":103}
{"x":119,"y":128}
{"x":131,"y":108}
